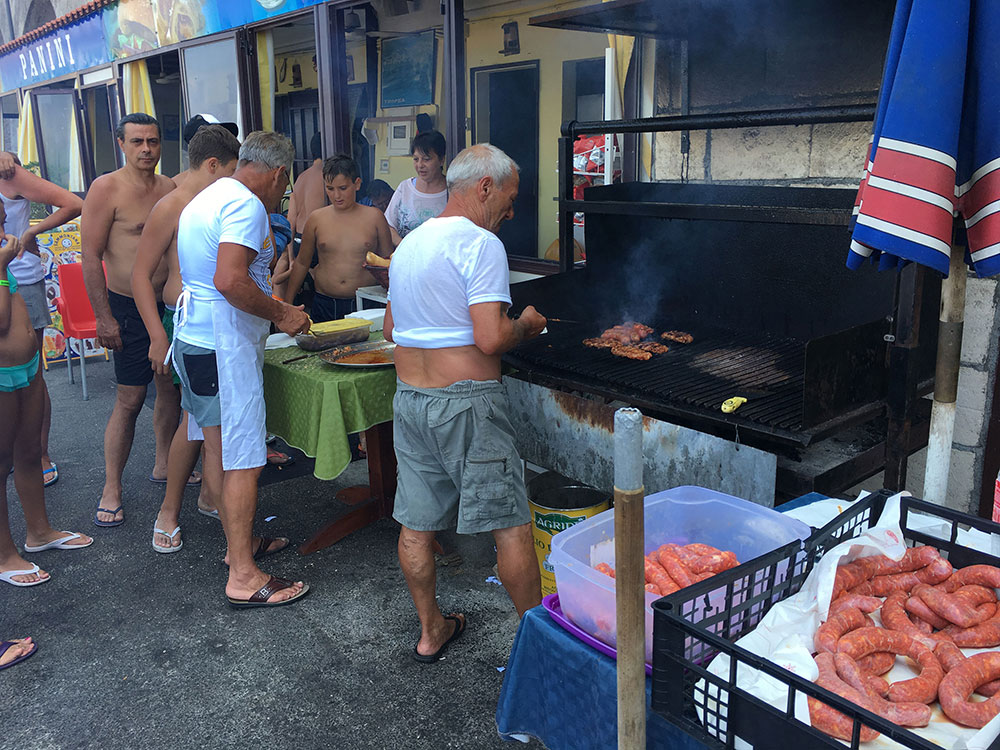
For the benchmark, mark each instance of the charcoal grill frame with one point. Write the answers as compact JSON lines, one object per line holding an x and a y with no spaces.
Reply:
{"x":905,"y":384}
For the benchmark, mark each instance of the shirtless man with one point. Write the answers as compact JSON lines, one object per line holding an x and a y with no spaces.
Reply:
{"x":307,"y":196}
{"x":340,"y":235}
{"x":213,"y":153}
{"x":114,"y":214}
{"x":191,"y":127}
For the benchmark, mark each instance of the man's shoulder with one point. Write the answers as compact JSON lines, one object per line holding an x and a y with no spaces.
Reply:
{"x":104,"y":185}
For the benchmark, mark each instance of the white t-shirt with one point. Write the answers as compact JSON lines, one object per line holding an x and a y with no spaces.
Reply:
{"x":437,"y":272}
{"x":410,"y":208}
{"x":225,"y":211}
{"x":28,"y":268}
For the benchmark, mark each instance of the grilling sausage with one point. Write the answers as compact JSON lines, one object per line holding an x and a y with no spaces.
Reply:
{"x":921,"y":689}
{"x":830,"y":632}
{"x":904,"y":714}
{"x":959,"y":684}
{"x":826,"y":718}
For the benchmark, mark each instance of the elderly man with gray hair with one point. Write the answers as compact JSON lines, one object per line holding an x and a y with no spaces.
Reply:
{"x":223,"y":316}
{"x":449,"y":291}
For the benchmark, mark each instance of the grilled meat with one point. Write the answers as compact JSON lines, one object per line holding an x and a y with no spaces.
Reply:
{"x":628,"y":332}
{"x":653,"y":347}
{"x":629,"y":352}
{"x":599,"y":343}
{"x":678,"y":337}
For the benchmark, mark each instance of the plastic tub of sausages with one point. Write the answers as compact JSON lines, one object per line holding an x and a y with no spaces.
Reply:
{"x":885,"y":633}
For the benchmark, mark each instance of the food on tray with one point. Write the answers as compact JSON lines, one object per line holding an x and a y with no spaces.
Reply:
{"x":376,"y":260}
{"x":378,"y":357}
{"x":629,"y":352}
{"x":678,"y":337}
{"x":334,"y":332}
{"x":672,"y":567}
{"x":929,"y":611}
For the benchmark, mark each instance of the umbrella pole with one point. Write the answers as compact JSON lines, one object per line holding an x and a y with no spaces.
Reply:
{"x":949,"y":353}
{"x":630,"y":580}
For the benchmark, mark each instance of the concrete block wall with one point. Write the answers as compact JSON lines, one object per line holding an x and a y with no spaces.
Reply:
{"x":833,"y":155}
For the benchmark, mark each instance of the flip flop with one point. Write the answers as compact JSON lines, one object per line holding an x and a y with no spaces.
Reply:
{"x":108,"y":524}
{"x":283,"y":459}
{"x":8,"y":576}
{"x":60,"y":543}
{"x":190,"y":482}
{"x":170,"y":536}
{"x":263,"y":548}
{"x":214,"y":513}
{"x":260,"y":598}
{"x":431,"y":658}
{"x":4,"y":645}
{"x":270,"y":438}
{"x":54,"y":471}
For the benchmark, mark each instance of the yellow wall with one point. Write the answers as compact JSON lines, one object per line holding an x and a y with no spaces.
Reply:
{"x":485,"y":38}
{"x":550,"y":47}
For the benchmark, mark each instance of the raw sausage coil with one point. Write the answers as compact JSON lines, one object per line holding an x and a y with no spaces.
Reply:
{"x":959,"y":684}
{"x":903,"y":714}
{"x":920,"y":689}
{"x":828,"y":719}
{"x":830,"y":632}
{"x":951,"y":656}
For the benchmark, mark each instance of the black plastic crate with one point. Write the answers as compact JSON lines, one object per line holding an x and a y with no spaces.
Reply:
{"x":693,"y":625}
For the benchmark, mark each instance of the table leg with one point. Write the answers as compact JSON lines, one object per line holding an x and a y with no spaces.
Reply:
{"x":374,"y":501}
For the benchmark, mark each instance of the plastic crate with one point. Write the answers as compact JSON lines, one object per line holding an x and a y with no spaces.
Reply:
{"x":681,"y":515}
{"x":691,"y":628}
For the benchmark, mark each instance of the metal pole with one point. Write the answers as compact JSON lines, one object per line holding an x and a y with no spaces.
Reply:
{"x":630,"y":580}
{"x":949,"y":355}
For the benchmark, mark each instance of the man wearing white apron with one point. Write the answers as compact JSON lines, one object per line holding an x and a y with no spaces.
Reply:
{"x":222,"y":320}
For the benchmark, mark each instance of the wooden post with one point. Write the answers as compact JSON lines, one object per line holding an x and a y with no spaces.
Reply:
{"x":630,"y":580}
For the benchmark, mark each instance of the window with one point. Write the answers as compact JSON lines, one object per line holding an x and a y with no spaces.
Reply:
{"x":211,"y":81}
{"x":54,"y":113}
{"x":100,"y":130}
{"x":8,"y":127}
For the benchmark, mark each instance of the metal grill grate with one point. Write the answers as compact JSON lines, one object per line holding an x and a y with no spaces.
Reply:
{"x":767,"y":370}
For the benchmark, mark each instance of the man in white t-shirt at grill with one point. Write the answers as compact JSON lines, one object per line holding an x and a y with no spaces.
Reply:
{"x":449,"y":291}
{"x":222,"y":320}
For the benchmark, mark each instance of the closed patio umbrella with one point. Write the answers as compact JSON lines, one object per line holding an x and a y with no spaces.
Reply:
{"x":934,"y":159}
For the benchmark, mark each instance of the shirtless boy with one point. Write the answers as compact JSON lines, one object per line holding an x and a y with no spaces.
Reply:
{"x":340,"y":235}
{"x":213,"y":153}
{"x":114,"y":213}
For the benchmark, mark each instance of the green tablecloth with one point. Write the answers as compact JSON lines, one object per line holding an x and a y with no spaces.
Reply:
{"x":313,"y":406}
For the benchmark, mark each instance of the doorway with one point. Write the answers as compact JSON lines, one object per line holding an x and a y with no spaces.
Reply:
{"x":505,"y":113}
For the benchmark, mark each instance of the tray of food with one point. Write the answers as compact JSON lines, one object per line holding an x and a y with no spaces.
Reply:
{"x":884,"y":634}
{"x":333,"y":333}
{"x":367,"y":354}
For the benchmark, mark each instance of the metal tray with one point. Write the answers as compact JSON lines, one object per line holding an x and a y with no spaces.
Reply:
{"x":335,"y":356}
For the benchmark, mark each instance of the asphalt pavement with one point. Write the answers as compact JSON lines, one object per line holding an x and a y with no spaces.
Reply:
{"x":139,"y":649}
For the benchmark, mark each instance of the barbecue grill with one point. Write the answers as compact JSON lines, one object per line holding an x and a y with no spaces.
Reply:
{"x":757,"y":275}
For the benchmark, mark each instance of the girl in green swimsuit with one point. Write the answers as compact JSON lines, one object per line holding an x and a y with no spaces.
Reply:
{"x":21,"y":404}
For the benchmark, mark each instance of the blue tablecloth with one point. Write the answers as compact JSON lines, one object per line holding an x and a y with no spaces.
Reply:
{"x":561,"y":691}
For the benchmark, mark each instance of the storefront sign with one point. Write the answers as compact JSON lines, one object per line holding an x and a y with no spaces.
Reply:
{"x":66,"y":50}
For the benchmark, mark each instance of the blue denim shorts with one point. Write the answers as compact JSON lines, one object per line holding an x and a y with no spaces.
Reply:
{"x":458,"y":466}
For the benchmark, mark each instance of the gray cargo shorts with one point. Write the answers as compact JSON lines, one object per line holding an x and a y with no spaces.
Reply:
{"x":457,"y":460}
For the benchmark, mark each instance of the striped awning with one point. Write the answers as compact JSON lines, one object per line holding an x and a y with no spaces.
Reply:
{"x":935,"y":150}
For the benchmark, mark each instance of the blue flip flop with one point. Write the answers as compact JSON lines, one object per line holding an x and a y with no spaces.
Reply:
{"x":51,"y":480}
{"x":4,"y":645}
{"x":107,"y":524}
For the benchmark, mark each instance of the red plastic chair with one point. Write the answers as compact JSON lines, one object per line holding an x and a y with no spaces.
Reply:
{"x":78,"y":319}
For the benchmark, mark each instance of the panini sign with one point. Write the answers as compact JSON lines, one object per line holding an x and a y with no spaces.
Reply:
{"x":75,"y":47}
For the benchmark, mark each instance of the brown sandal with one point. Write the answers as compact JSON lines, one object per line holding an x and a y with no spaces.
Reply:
{"x":260,"y":598}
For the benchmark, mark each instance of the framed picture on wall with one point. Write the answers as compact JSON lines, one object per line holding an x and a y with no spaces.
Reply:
{"x":408,"y":67}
